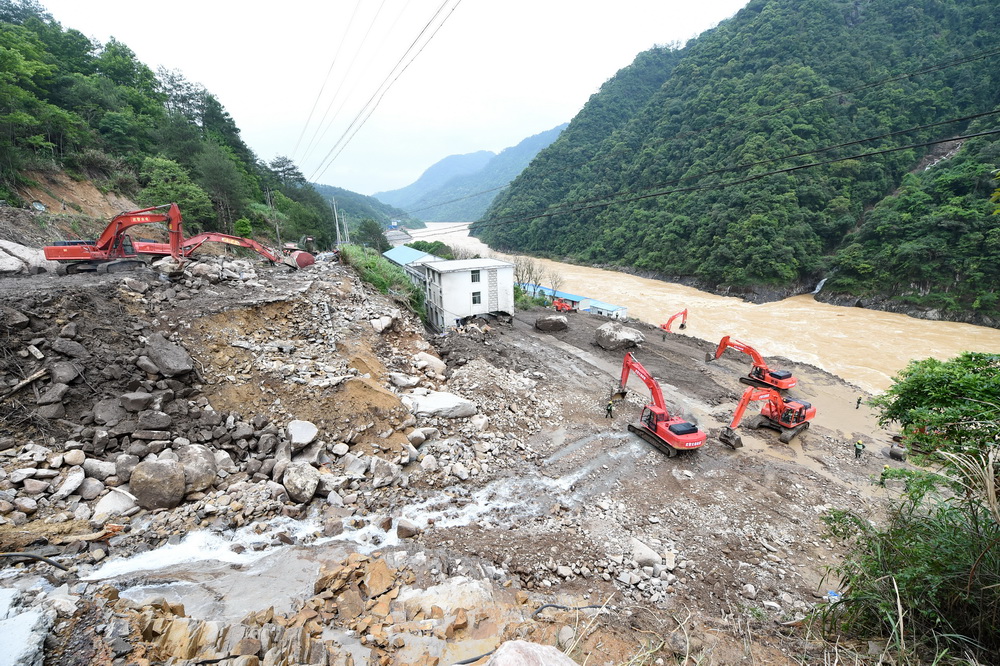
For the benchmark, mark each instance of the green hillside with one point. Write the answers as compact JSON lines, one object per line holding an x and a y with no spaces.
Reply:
{"x":467,"y":196}
{"x":358,"y":207}
{"x":96,"y":112}
{"x":786,"y":145}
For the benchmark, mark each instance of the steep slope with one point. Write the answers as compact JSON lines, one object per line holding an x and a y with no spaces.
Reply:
{"x":705,"y":178}
{"x":467,"y":197}
{"x":436,"y":176}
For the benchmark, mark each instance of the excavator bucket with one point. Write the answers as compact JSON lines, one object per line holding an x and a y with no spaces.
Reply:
{"x":618,"y":395}
{"x":682,"y":326}
{"x":729,"y":437}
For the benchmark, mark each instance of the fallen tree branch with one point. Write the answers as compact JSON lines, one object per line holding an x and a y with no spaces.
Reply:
{"x":24,"y":382}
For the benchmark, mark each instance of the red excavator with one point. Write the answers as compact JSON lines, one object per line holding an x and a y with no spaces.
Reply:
{"x":113,"y":249}
{"x":786,"y":415}
{"x":683,"y":314}
{"x":294,"y":258}
{"x":760,"y":375}
{"x":670,"y":434}
{"x":562,"y":305}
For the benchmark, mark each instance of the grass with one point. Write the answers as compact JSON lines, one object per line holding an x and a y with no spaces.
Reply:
{"x":385,"y":276}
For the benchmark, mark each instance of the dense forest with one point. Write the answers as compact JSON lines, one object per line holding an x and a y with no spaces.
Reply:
{"x":460,"y":188}
{"x":798,"y":140}
{"x":95,"y":111}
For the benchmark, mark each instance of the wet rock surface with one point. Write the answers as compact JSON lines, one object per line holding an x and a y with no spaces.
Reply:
{"x":466,"y":479}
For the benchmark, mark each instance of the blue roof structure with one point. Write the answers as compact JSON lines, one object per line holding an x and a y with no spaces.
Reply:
{"x":555,"y":294}
{"x":404,"y":256}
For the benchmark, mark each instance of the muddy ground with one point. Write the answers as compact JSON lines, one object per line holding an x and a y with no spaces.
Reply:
{"x":743,"y":528}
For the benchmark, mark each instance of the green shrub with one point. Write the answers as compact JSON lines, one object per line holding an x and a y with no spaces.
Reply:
{"x":385,"y":276}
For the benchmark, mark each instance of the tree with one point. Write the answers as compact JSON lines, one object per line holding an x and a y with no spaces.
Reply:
{"x":370,"y":234}
{"x":555,"y":279}
{"x":166,"y":182}
{"x":220,"y":177}
{"x":949,"y":406}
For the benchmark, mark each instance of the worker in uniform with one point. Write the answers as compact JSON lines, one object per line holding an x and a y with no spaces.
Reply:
{"x":883,"y":475}
{"x":857,"y":405}
{"x":609,"y":410}
{"x":859,"y":447}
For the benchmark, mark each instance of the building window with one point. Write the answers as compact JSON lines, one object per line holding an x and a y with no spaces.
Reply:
{"x":475,"y":276}
{"x":477,"y":298}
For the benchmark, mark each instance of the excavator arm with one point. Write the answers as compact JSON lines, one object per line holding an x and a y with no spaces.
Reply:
{"x":760,"y":374}
{"x":684,"y":318}
{"x":629,"y":364}
{"x":113,"y":245}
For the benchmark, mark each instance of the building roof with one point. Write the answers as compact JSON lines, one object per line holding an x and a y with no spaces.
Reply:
{"x":453,"y":265}
{"x":600,"y":305}
{"x":404,"y":256}
{"x":548,"y":291}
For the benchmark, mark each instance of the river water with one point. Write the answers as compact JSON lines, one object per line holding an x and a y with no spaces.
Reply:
{"x":865,"y":347}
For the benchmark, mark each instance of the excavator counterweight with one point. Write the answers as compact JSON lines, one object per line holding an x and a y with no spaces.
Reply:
{"x":760,"y":374}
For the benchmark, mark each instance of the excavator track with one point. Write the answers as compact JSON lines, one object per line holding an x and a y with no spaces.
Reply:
{"x":653,"y":439}
{"x":788,"y":434}
{"x":758,"y":383}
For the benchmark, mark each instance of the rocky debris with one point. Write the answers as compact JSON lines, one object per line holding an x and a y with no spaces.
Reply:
{"x":158,"y":484}
{"x":23,"y":629}
{"x":615,"y":336}
{"x":552,"y":323}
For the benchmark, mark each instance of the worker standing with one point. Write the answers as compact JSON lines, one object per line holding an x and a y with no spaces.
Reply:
{"x":859,"y":447}
{"x":609,"y":410}
{"x":883,"y":475}
{"x":857,"y":405}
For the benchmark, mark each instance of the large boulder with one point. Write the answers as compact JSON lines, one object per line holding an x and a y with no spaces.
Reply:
{"x":170,"y":359}
{"x":300,"y":481}
{"x":551,"y":323}
{"x":441,"y":404}
{"x":199,"y":465}
{"x":425,"y":361}
{"x":523,"y":653}
{"x":158,"y":484}
{"x":613,"y":336}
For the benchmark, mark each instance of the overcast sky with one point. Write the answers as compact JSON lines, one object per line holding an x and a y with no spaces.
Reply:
{"x":494,"y":73}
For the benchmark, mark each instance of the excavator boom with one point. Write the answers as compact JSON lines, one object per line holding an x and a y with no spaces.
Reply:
{"x":684,"y":319}
{"x":786,"y":415}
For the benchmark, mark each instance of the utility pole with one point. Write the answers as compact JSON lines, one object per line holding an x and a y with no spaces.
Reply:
{"x":336,"y":219}
{"x":277,"y":230}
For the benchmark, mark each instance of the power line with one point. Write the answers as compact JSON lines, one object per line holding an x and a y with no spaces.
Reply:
{"x":714,"y":186}
{"x":383,"y":88}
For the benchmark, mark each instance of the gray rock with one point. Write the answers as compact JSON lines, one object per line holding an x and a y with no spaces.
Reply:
{"x":90,"y":489}
{"x":551,"y":323}
{"x":53,"y":411}
{"x":24,"y":637}
{"x":405,"y":529}
{"x":116,"y":503}
{"x":643,"y":554}
{"x":25,"y":505}
{"x":13,"y":320}
{"x":523,"y":653}
{"x":35,"y":486}
{"x":69,"y":348}
{"x":354,"y":466}
{"x":74,"y":457}
{"x":99,"y":469}
{"x":55,"y":393}
{"x":154,"y":420}
{"x":146,"y":365}
{"x":124,"y":464}
{"x":63,"y":372}
{"x":73,"y":479}
{"x":170,"y":359}
{"x":400,"y":380}
{"x":109,"y":412}
{"x":136,"y":401}
{"x":301,"y":433}
{"x":158,"y":484}
{"x":613,"y":336}
{"x":384,"y":473}
{"x":300,"y":481}
{"x":425,"y":361}
{"x":199,"y":464}
{"x":441,"y":404}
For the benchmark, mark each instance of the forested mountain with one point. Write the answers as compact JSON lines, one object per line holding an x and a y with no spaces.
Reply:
{"x":358,"y":207}
{"x":789,"y":143}
{"x":466,"y":197}
{"x":97,"y":112}
{"x":435,"y":177}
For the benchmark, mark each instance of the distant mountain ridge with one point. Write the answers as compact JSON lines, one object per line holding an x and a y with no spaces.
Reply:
{"x":358,"y":207}
{"x":461,"y":187}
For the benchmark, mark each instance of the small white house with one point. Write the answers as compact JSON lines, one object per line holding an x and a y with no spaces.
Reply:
{"x":465,"y":287}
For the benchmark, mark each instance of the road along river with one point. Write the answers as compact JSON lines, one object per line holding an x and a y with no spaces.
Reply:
{"x":865,"y":347}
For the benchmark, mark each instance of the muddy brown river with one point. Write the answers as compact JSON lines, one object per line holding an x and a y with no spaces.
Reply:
{"x":865,"y":347}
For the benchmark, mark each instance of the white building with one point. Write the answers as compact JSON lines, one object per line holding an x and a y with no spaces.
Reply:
{"x":457,"y":289}
{"x":466,"y":287}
